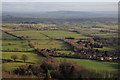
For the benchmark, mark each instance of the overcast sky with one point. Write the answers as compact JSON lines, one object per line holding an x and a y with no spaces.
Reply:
{"x":60,"y":0}
{"x":58,"y":6}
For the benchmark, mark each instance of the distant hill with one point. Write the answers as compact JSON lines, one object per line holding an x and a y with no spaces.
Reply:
{"x":81,"y":14}
{"x":70,"y":13}
{"x":64,"y":14}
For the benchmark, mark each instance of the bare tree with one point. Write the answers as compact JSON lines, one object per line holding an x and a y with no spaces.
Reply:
{"x":14,"y":57}
{"x":24,"y":57}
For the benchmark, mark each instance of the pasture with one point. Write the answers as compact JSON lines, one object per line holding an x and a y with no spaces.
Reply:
{"x":9,"y":66}
{"x":31,"y":35}
{"x":88,"y":31}
{"x":66,"y":52}
{"x":7,"y":37}
{"x":105,"y":48}
{"x":107,"y":34}
{"x":59,"y":34}
{"x":108,"y":26}
{"x":94,"y":65}
{"x":17,"y":45}
{"x":31,"y":56}
{"x":49,"y":44}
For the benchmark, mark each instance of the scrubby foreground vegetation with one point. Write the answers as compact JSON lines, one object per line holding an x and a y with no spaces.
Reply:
{"x":55,"y":69}
{"x":55,"y":48}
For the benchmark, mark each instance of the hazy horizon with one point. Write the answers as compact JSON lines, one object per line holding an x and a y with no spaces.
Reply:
{"x":24,"y":7}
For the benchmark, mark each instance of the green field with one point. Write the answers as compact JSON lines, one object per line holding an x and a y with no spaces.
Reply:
{"x":89,"y":64}
{"x":94,"y":65}
{"x":30,"y":34}
{"x":8,"y":37}
{"x":49,"y":44}
{"x":59,"y":34}
{"x":31,"y":56}
{"x":65,"y":52}
{"x":11,"y":25}
{"x":109,"y":26}
{"x":105,"y":48}
{"x":11,"y":66}
{"x":89,"y":31}
{"x":52,"y":34}
{"x":105,"y":35}
{"x":17,"y":45}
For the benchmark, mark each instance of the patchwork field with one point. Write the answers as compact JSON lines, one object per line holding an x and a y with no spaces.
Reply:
{"x":50,"y":39}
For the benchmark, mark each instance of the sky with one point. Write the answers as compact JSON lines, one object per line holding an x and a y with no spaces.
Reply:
{"x":58,"y":6}
{"x":60,"y":0}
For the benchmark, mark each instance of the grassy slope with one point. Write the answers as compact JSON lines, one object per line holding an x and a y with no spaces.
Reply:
{"x":94,"y":65}
{"x":12,"y":65}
